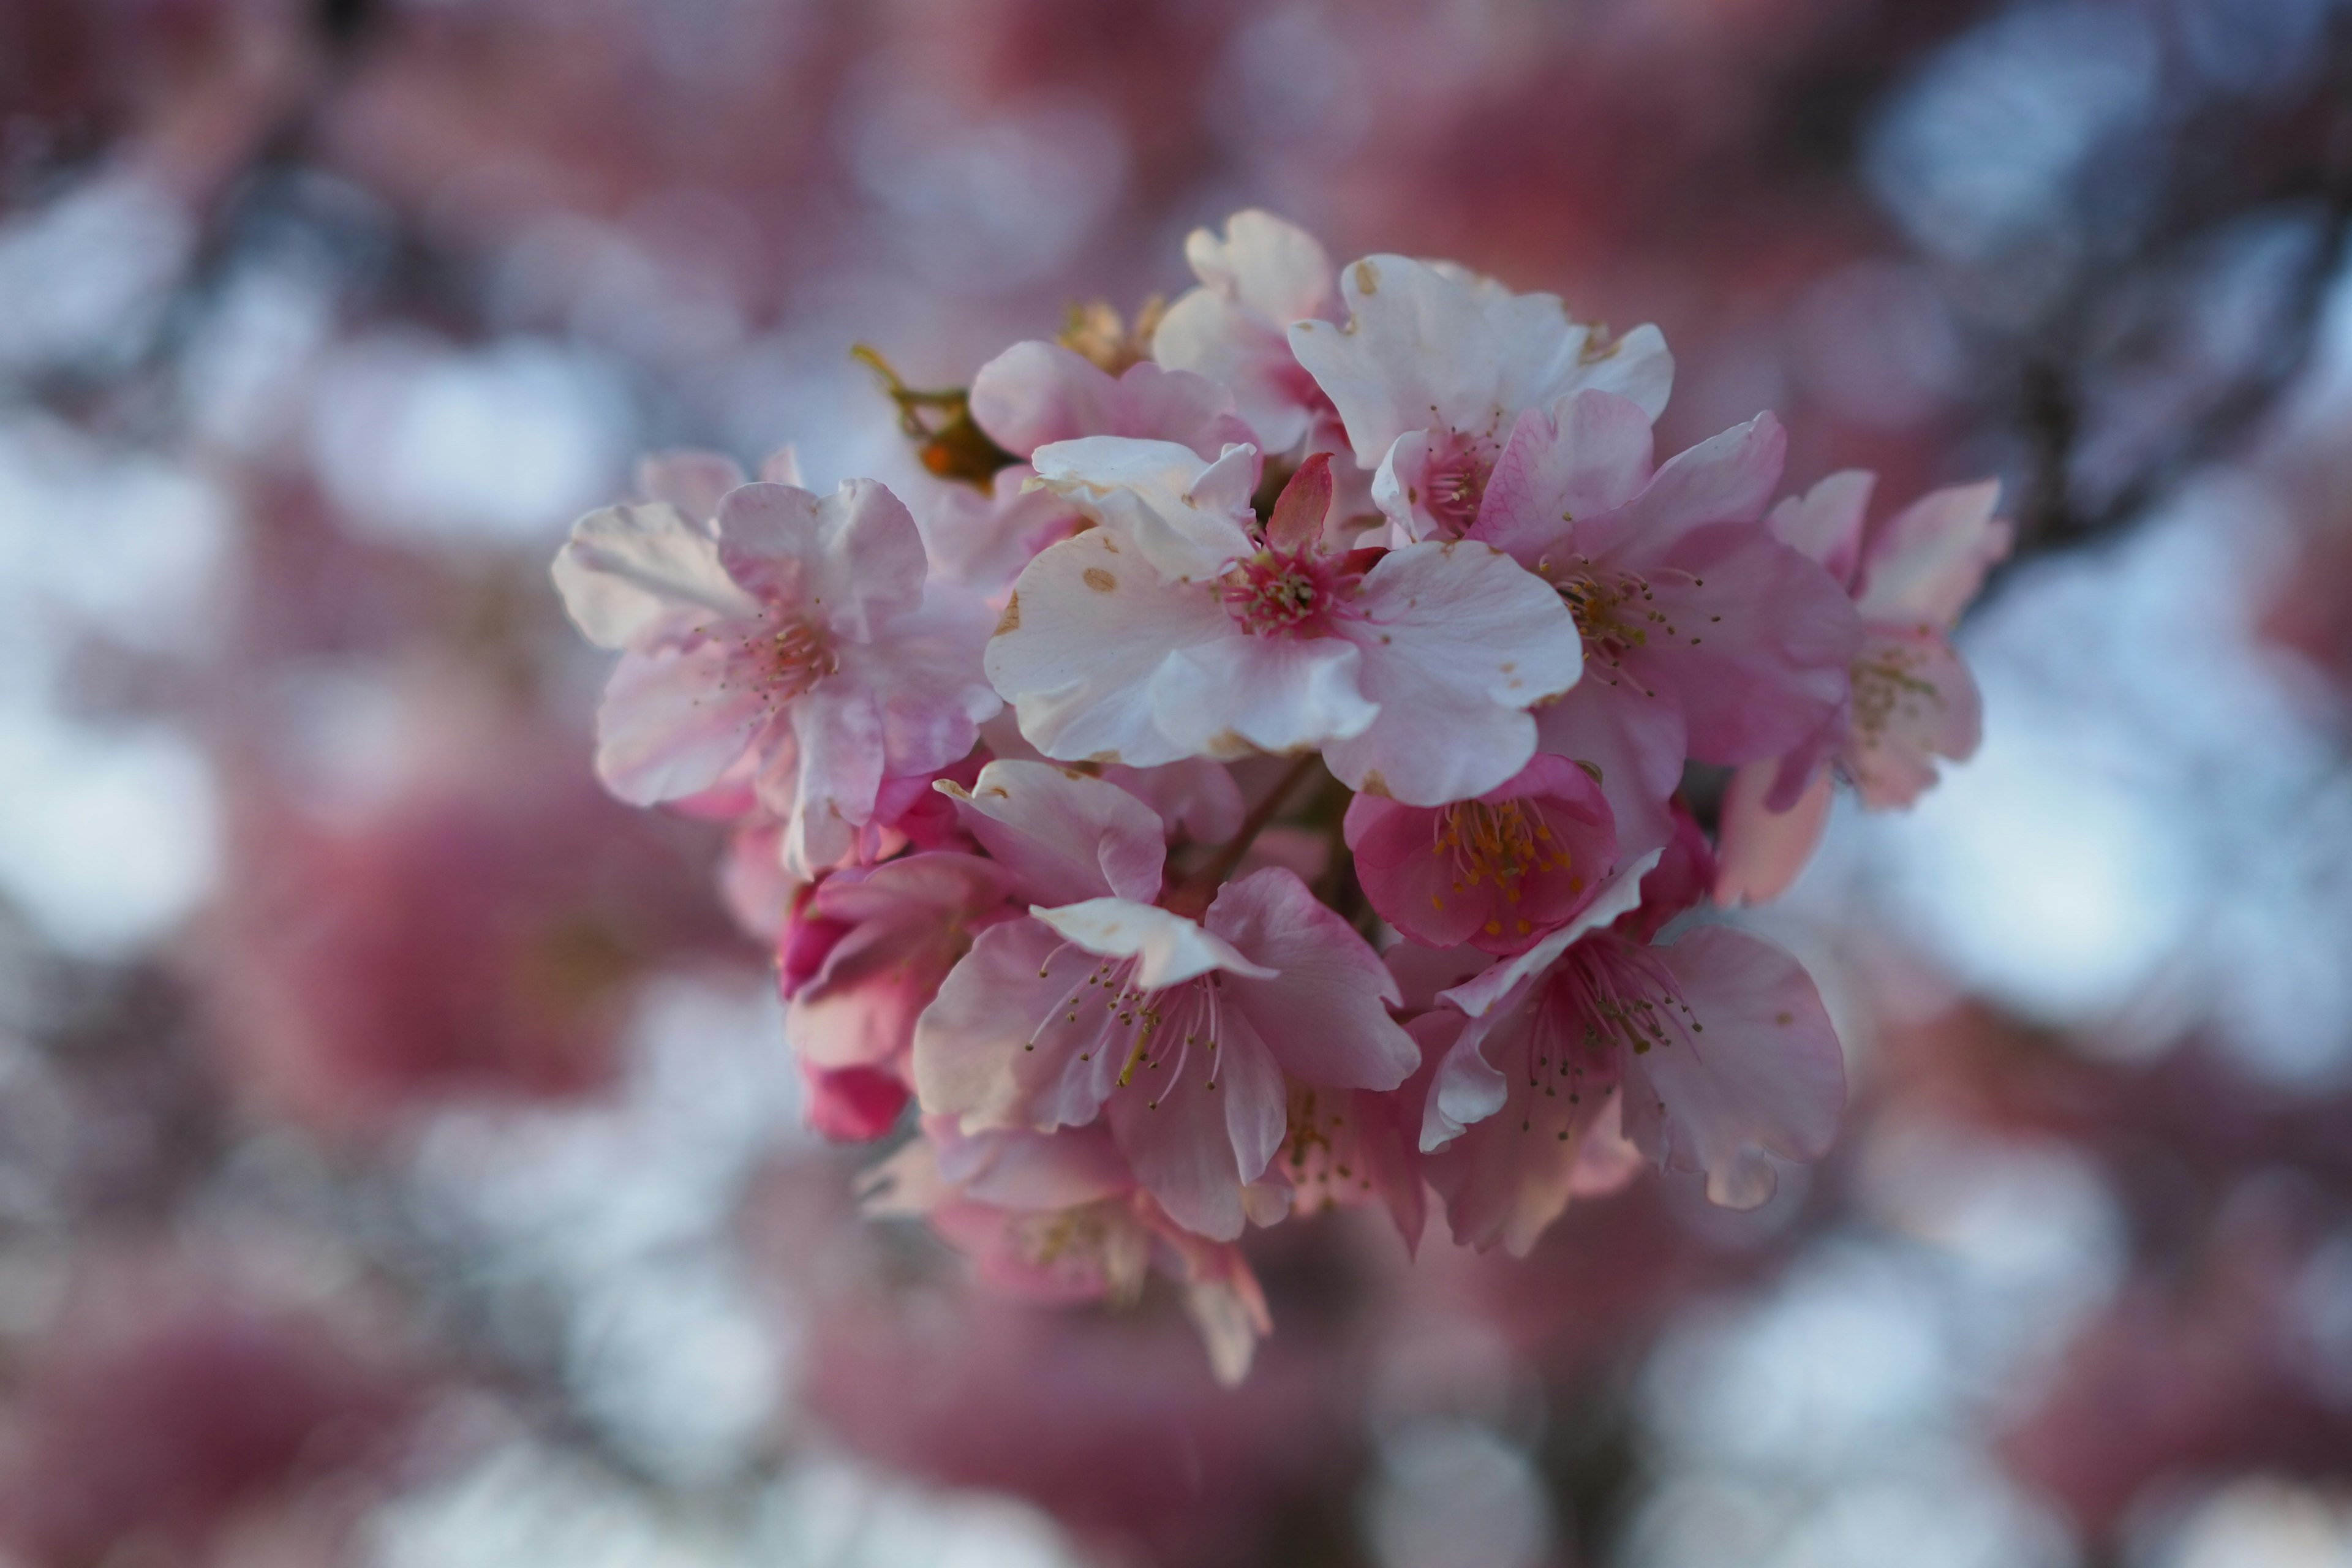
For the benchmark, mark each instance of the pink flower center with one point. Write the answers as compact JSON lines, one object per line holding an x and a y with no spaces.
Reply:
{"x":1502,"y":844}
{"x":1618,"y":611}
{"x":1281,"y":594}
{"x":1153,"y":1035}
{"x":1459,"y":467}
{"x":1607,"y":998}
{"x":787,"y":660}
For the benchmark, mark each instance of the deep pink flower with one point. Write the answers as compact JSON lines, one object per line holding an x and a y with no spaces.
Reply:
{"x":1714,"y":1053}
{"x":1497,"y":871}
{"x":1177,"y":1033}
{"x":859,"y":961}
{"x":1703,"y":635}
{"x":794,"y":635}
{"x":1179,"y":628}
{"x":1436,"y":364}
{"x":1912,"y":698}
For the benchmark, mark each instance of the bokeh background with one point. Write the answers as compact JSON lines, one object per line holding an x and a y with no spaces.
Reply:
{"x":399,"y":1164}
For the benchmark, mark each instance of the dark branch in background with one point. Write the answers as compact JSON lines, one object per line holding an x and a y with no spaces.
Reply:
{"x":2057,"y":509}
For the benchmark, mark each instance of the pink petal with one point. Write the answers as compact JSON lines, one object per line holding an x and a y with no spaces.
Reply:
{"x":852,"y":1105}
{"x":1168,"y":949}
{"x":1729,"y":479}
{"x":1636,"y":742}
{"x":1760,"y":851}
{"x":1238,"y":693}
{"x":633,"y":572}
{"x":1187,"y":516}
{"x":1038,"y":1171}
{"x":1195,"y":797}
{"x":1088,"y":628}
{"x":835,"y":771}
{"x":1765,"y":1077}
{"x":1583,"y":456}
{"x":1826,"y":523}
{"x":1194,"y":1140}
{"x":996,"y":1048}
{"x":1035,"y":393}
{"x":671,"y":725}
{"x":1510,"y":1174}
{"x":1063,"y":837}
{"x":1321,"y":999}
{"x":1458,"y":641}
{"x":1753,"y":642}
{"x":853,"y":560}
{"x":1927,"y":562}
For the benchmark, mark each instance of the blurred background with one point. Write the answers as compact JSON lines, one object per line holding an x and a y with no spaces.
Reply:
{"x":399,"y":1163}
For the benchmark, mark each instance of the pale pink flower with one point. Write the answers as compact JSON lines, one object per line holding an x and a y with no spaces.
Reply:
{"x":1436,"y":364}
{"x":1704,"y":635}
{"x":1497,"y":871}
{"x":1234,"y":328}
{"x":1912,"y":698}
{"x":1714,"y":1051}
{"x":1177,"y":1033}
{"x":1179,"y":628}
{"x":792,"y":635}
{"x":1035,"y":393}
{"x":861,"y":958}
{"x":1057,"y":1218}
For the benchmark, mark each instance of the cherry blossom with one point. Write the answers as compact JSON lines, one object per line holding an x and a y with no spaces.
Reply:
{"x":1497,"y":871}
{"x":1176,"y":1032}
{"x":1181,"y":627}
{"x":790,"y":634}
{"x":1704,"y":635}
{"x":1436,"y":364}
{"x":1912,"y":700}
{"x":1714,"y":1053}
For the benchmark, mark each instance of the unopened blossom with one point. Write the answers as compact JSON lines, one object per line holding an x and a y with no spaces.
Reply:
{"x":1178,"y":1032}
{"x":859,"y":961}
{"x":1912,"y":698}
{"x":1436,"y":364}
{"x":1714,"y":1051}
{"x":1181,"y":627}
{"x":1704,"y":635}
{"x":1257,"y":278}
{"x":1497,"y":871}
{"x":792,"y":636}
{"x":1057,"y":1218}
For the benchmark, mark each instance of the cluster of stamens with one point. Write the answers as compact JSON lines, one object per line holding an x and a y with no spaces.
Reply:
{"x":1607,"y":996}
{"x":1318,"y":1144}
{"x":1885,"y":688}
{"x":1457,"y":478}
{"x":1275,"y":593}
{"x":1617,"y":611}
{"x":1159,"y":1029}
{"x":787,"y":660}
{"x":1504,"y":845}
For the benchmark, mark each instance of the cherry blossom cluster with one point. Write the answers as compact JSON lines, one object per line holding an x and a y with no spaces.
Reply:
{"x":1256,"y":781}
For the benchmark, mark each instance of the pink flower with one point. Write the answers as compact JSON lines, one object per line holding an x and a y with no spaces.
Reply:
{"x":792,"y":636}
{"x":1177,"y":1033}
{"x":1715,"y":1052}
{"x":1261,"y":277}
{"x":1434,"y":365}
{"x":1912,"y":698}
{"x":860,"y":960}
{"x":1496,"y":871}
{"x":1057,"y":1218}
{"x":1703,"y":635}
{"x":1179,"y":628}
